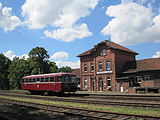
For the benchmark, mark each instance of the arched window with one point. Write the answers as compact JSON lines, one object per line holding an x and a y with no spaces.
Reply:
{"x":103,"y":52}
{"x":100,"y":66}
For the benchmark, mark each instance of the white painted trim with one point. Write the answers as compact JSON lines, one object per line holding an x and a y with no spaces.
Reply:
{"x":103,"y":72}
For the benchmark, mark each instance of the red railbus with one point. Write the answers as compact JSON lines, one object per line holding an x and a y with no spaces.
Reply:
{"x":55,"y":82}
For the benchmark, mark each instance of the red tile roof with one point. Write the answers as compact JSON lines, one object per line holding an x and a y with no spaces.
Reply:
{"x":143,"y":65}
{"x":112,"y":45}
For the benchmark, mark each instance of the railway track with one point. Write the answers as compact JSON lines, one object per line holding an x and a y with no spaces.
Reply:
{"x":133,"y":97}
{"x":139,"y":98}
{"x":6,"y":117}
{"x":86,"y":101}
{"x":85,"y":113}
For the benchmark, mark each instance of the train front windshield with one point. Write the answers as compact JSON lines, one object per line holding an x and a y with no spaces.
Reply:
{"x":68,"y":79}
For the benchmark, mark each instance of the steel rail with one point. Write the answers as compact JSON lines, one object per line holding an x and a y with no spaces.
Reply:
{"x":97,"y":95}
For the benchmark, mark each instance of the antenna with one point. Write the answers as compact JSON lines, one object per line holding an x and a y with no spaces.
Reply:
{"x":109,"y":39}
{"x":109,"y":36}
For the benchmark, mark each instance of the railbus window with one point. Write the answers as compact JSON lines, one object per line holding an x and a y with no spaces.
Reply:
{"x":62,"y":78}
{"x":27,"y":80}
{"x":34,"y":79}
{"x":69,"y":79}
{"x":73,"y":79}
{"x":47,"y":79}
{"x":66,"y":79}
{"x":23,"y":80}
{"x":38,"y":79}
{"x":30,"y":80}
{"x":42,"y":80}
{"x":51,"y":79}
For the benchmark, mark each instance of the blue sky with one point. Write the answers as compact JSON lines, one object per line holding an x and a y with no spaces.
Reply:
{"x":67,"y":28}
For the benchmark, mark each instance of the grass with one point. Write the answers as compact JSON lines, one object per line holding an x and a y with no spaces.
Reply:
{"x":128,"y":110}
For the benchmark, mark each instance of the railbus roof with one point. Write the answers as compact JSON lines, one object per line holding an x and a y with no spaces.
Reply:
{"x":46,"y":75}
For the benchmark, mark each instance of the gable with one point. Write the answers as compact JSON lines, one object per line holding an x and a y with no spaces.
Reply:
{"x":110,"y":45}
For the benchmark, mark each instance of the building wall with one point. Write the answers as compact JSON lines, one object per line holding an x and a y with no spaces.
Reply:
{"x":88,"y":74}
{"x":154,"y":79}
{"x":110,"y":56}
{"x":153,"y":82}
{"x":97,"y":80}
{"x":121,"y":59}
{"x":117,"y":60}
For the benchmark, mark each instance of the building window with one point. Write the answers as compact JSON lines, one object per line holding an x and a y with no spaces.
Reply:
{"x":137,"y":79}
{"x":85,"y":67}
{"x":108,"y":65}
{"x":146,"y":77}
{"x":85,"y":83}
{"x":103,"y":52}
{"x":108,"y":81}
{"x":92,"y":67}
{"x":100,"y":66}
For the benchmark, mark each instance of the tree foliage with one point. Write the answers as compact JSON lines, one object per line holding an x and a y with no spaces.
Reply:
{"x":11,"y":72}
{"x":38,"y":59}
{"x":53,"y":67}
{"x":4,"y":65}
{"x":65,"y":69}
{"x":18,"y":69}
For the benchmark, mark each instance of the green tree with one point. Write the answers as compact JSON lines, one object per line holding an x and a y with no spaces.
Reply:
{"x":4,"y":66}
{"x":65,"y":69}
{"x":38,"y":59}
{"x":18,"y":69}
{"x":53,"y":67}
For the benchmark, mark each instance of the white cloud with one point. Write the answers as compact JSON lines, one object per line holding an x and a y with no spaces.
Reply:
{"x":24,"y":56}
{"x":58,"y":13}
{"x":7,"y":21}
{"x":132,"y":24}
{"x":157,"y":54}
{"x":73,"y":65}
{"x":40,"y":13}
{"x":70,"y":33}
{"x":10,"y":54}
{"x":62,"y":55}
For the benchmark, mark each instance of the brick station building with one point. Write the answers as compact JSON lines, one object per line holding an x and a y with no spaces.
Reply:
{"x":111,"y":67}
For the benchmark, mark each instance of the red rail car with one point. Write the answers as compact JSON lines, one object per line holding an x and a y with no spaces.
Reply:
{"x":55,"y":82}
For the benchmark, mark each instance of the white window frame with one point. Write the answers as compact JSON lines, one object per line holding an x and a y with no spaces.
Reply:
{"x":146,"y":77}
{"x":85,"y":66}
{"x":108,"y":79}
{"x":108,"y":63}
{"x":100,"y":69}
{"x":92,"y":65}
{"x":85,"y":83}
{"x":138,"y":79}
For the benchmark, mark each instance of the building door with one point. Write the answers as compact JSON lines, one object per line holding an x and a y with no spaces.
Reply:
{"x":100,"y":84}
